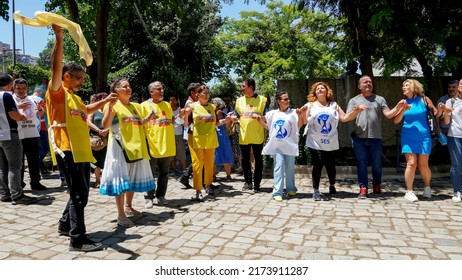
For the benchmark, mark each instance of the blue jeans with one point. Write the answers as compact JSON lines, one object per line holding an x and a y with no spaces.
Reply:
{"x":283,"y":164}
{"x":368,"y":150}
{"x":10,"y":167}
{"x":455,"y":153}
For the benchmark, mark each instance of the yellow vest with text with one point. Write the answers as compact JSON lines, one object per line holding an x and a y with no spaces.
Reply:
{"x":205,"y":122}
{"x":250,"y":130}
{"x":131,"y":130}
{"x":160,"y":132}
{"x":77,"y":128}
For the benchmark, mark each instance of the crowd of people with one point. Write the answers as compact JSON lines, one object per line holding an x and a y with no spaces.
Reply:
{"x":139,"y":143}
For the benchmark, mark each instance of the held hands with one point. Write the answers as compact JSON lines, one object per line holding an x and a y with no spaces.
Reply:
{"x":103,"y":132}
{"x":111,"y":98}
{"x":445,"y":109}
{"x":58,"y":30}
{"x":301,"y":110}
{"x":23,"y":105}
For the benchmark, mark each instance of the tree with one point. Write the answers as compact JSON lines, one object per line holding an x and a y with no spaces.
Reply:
{"x":283,"y":43}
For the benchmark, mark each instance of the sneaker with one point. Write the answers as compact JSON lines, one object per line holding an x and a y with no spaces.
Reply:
{"x":427,"y":192}
{"x":362,"y":193}
{"x":209,"y":191}
{"x":162,"y":201}
{"x":185,"y":182}
{"x":316,"y":195}
{"x":24,"y":200}
{"x":410,"y":196}
{"x":6,"y":199}
{"x":38,"y":187}
{"x":292,"y":193}
{"x":456,"y":197}
{"x":376,"y":190}
{"x":197,"y":198}
{"x":277,"y":198}
{"x":332,"y":190}
{"x":87,"y":246}
{"x":247,"y":187}
{"x":148,"y":203}
{"x":63,"y":231}
{"x":125,"y":222}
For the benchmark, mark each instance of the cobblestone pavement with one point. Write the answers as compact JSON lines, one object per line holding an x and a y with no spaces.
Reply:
{"x":236,"y":224}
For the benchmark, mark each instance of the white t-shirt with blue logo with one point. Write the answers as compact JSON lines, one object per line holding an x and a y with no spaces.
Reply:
{"x":283,"y":133}
{"x":322,"y":125}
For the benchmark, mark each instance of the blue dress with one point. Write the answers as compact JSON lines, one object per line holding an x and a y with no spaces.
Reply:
{"x":224,"y":152}
{"x":415,"y":134}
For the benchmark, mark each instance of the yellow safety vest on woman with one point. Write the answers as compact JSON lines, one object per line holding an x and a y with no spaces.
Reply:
{"x":132,"y":131}
{"x":204,"y":132}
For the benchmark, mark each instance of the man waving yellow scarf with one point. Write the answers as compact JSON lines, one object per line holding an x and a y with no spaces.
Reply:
{"x":46,"y":19}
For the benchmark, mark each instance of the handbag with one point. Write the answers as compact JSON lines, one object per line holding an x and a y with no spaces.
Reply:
{"x":97,"y":142}
{"x":435,"y":131}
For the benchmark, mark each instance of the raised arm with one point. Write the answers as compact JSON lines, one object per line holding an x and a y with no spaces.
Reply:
{"x":57,"y":59}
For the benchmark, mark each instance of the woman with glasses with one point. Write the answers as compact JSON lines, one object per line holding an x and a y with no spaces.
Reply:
{"x":322,"y":116}
{"x":283,"y":125}
{"x":204,"y":140}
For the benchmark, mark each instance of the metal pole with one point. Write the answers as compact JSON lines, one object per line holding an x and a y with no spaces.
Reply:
{"x":23,"y":43}
{"x":14,"y":38}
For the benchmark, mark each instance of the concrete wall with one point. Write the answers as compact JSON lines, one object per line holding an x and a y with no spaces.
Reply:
{"x":345,"y":89}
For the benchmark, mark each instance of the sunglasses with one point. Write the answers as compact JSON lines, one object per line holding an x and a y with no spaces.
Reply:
{"x":285,"y":99}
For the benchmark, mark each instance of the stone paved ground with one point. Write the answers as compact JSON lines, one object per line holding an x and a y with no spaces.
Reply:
{"x":239,"y":224}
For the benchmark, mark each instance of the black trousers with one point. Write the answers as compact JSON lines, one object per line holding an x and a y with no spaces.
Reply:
{"x":77,"y":176}
{"x":246,"y":166}
{"x":31,"y":150}
{"x":319,"y":159}
{"x":162,"y":165}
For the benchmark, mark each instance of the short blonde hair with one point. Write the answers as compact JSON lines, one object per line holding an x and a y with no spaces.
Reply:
{"x":416,"y":87}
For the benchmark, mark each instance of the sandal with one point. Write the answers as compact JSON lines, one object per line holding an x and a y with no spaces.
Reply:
{"x":129,"y":211}
{"x":125,"y":222}
{"x":228,"y":178}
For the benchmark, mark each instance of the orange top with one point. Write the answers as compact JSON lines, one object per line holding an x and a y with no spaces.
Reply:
{"x":57,"y":112}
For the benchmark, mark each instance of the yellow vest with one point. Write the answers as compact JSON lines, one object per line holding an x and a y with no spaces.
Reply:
{"x":77,"y":129}
{"x":132,"y":131}
{"x":205,"y":122}
{"x":160,"y":132}
{"x":250,"y":130}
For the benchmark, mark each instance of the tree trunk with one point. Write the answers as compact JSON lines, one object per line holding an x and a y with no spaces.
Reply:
{"x":102,"y":19}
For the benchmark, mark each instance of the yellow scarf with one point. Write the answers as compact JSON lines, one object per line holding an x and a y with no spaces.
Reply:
{"x":45,"y":19}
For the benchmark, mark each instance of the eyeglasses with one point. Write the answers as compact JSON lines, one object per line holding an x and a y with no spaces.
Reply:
{"x":77,"y":77}
{"x":285,"y":99}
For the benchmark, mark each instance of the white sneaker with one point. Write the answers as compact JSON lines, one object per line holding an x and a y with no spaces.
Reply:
{"x":427,"y":192}
{"x":456,"y":197}
{"x":148,"y":203}
{"x":411,"y":196}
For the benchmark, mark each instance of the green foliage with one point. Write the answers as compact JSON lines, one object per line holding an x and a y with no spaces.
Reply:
{"x":33,"y":74}
{"x":4,"y":7}
{"x":283,"y":43}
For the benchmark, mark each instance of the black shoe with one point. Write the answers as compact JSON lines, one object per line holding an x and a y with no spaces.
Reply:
{"x":185,"y":182}
{"x":25,"y":200}
{"x":87,"y":246}
{"x":6,"y":199}
{"x":256,"y":189}
{"x":38,"y":187}
{"x":247,"y":187}
{"x":332,"y":191}
{"x":63,"y":183}
{"x":63,"y":231}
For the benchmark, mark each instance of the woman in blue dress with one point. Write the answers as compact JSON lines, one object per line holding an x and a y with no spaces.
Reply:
{"x":416,"y":142}
{"x":224,"y":152}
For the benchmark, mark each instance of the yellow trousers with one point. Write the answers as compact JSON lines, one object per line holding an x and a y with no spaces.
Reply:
{"x":202,"y":159}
